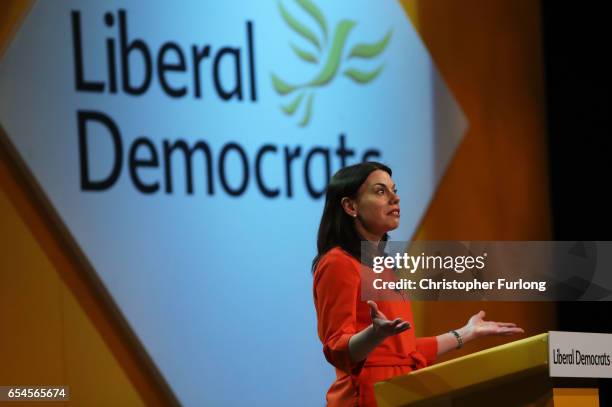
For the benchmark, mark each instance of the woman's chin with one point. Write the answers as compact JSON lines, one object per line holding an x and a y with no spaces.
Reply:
{"x":393,"y":226}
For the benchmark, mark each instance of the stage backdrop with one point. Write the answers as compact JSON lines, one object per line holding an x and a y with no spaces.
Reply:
{"x":186,"y":150}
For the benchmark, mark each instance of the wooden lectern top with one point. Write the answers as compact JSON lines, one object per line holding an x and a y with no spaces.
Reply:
{"x":467,"y":374}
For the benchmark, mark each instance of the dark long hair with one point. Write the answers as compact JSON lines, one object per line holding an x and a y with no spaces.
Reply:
{"x":337,"y":228}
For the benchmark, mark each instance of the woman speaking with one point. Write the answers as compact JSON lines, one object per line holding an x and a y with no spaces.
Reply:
{"x":368,"y":342}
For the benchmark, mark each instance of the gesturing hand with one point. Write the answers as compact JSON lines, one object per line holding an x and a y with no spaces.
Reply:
{"x":477,"y":327}
{"x":382,"y":326}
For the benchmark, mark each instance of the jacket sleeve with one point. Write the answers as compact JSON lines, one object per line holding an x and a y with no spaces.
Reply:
{"x":428,"y":346}
{"x":336,"y":288}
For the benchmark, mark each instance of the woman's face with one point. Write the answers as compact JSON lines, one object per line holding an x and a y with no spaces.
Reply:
{"x":376,"y":205}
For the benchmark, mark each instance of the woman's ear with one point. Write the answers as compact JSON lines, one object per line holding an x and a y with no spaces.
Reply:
{"x":349,"y":206}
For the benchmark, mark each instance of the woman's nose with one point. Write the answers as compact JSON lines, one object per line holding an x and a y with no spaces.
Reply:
{"x":395,"y":198}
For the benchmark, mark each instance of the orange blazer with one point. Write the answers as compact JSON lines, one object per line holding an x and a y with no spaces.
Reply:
{"x":341,"y":313}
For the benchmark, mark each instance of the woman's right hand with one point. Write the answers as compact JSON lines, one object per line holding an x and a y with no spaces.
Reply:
{"x":364,"y":341}
{"x":383,"y":327}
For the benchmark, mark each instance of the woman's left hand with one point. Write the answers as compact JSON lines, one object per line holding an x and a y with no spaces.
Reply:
{"x":478,"y":327}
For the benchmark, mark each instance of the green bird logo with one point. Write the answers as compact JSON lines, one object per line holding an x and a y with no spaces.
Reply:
{"x":327,"y":55}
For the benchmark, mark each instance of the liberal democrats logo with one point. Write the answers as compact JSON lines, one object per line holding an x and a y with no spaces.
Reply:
{"x":328,"y":56}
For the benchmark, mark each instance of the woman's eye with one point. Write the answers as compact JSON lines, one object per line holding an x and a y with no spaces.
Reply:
{"x":380,"y":192}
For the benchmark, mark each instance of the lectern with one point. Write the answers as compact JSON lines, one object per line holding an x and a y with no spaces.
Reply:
{"x":513,"y":374}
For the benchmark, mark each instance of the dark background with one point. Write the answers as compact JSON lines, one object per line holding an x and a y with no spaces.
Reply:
{"x":576,"y":43}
